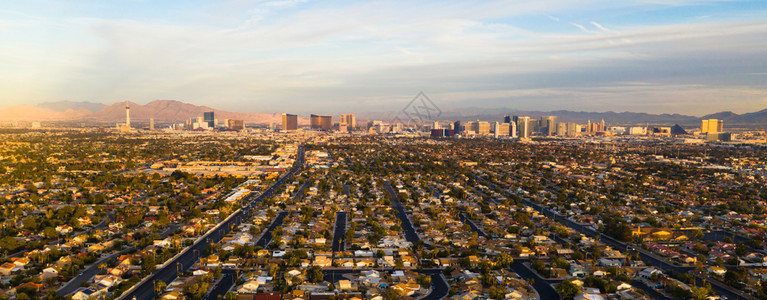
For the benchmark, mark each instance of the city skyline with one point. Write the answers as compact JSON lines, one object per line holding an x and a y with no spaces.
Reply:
{"x":690,"y":57}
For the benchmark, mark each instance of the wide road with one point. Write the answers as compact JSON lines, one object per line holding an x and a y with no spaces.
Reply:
{"x":144,"y":290}
{"x":407,"y":227}
{"x":267,"y":236}
{"x":339,"y":244}
{"x":228,"y":278}
{"x":544,"y":289}
{"x":473,"y":226}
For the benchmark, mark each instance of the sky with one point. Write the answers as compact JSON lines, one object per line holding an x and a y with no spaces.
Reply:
{"x":659,"y":56}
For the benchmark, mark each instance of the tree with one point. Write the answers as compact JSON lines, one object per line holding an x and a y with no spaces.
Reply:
{"x":315,"y":274}
{"x":391,"y":294}
{"x":504,"y":260}
{"x":700,"y":293}
{"x":424,"y":281}
{"x":497,"y":292}
{"x":159,"y":287}
{"x":50,"y":232}
{"x":148,"y":263}
{"x":568,"y":289}
{"x":741,"y":249}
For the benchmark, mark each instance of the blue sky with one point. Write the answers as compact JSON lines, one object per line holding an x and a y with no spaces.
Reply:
{"x":680,"y":56}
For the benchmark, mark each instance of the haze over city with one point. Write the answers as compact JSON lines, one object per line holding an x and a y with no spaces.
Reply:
{"x":690,"y":57}
{"x":383,"y":150}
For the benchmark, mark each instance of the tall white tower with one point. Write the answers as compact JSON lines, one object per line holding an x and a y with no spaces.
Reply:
{"x":127,"y":115}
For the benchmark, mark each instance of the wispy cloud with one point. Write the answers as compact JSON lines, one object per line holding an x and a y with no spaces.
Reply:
{"x":582,"y":28}
{"x":597,"y":25}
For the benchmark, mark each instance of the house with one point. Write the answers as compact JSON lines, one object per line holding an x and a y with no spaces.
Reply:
{"x":344,"y":285}
{"x":408,"y":288}
{"x":717,"y":270}
{"x":7,"y":269}
{"x":63,"y":229}
{"x":20,"y":261}
{"x":649,"y":272}
{"x":85,"y":294}
{"x":164,"y":243}
{"x":588,"y":296}
{"x":606,"y":262}
{"x":171,"y":296}
{"x":250,"y":287}
{"x":49,"y":272}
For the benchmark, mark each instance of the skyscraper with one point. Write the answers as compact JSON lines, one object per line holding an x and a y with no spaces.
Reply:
{"x":326,"y":122}
{"x":503,"y":129}
{"x":471,"y":127}
{"x":318,"y":122}
{"x":561,"y":129}
{"x":524,"y":127}
{"x":572,"y":129}
{"x":506,"y":119}
{"x":349,"y":120}
{"x":711,"y":125}
{"x":549,"y":125}
{"x":513,"y":129}
{"x":483,"y":127}
{"x":209,"y":118}
{"x":289,"y":122}
{"x":151,"y":123}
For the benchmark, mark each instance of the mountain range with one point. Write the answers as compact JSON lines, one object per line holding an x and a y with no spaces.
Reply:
{"x":177,"y":111}
{"x":160,"y":110}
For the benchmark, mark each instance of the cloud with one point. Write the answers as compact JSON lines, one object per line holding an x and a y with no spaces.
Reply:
{"x":280,"y":55}
{"x":597,"y":25}
{"x":581,"y":27}
{"x":285,"y":3}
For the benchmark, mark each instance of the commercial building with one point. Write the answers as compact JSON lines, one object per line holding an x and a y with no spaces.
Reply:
{"x":637,"y":131}
{"x":561,"y":129}
{"x":718,"y":136}
{"x":483,"y":128}
{"x":236,"y":125}
{"x":548,"y":125}
{"x":711,"y":125}
{"x":318,"y":122}
{"x":471,"y":127}
{"x":209,"y":119}
{"x":289,"y":122}
{"x":503,"y":129}
{"x":349,"y":120}
{"x":523,"y":124}
{"x":573,"y":130}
